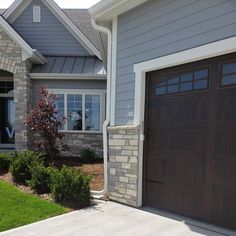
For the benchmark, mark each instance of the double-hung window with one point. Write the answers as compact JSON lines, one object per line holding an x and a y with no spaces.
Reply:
{"x":84,"y":110}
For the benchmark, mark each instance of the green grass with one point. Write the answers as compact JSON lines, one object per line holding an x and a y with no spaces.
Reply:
{"x":18,"y":208}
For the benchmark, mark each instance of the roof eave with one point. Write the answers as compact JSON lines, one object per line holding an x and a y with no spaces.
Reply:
{"x":108,"y":9}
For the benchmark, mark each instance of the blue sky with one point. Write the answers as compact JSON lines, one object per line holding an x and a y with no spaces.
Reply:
{"x":61,"y":3}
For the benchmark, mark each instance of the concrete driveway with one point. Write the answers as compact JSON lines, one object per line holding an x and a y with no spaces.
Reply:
{"x":112,"y":219}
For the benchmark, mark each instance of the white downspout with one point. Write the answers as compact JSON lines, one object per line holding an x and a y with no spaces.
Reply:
{"x":108,"y":106}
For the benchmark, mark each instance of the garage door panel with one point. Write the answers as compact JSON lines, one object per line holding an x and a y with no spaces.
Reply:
{"x":190,"y":147}
{"x":179,"y":111}
{"x":172,"y":196}
{"x":226,"y":108}
{"x":179,"y":139}
{"x":225,"y":144}
{"x":189,"y":171}
{"x":223,"y":208}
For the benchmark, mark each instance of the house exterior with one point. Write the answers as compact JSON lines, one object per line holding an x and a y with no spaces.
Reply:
{"x":43,"y":45}
{"x":172,"y":89}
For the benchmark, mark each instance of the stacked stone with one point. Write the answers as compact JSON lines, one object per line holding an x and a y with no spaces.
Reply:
{"x":77,"y":141}
{"x":123,"y":164}
{"x":11,"y":61}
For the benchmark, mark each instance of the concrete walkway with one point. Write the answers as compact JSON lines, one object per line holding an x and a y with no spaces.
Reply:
{"x":112,"y":219}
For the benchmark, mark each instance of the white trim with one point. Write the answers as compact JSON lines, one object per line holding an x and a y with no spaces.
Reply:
{"x":53,"y":76}
{"x":100,"y":92}
{"x":17,"y":8}
{"x":113,"y":78}
{"x":210,"y":50}
{"x":108,"y":9}
{"x":61,"y":16}
{"x":27,"y":51}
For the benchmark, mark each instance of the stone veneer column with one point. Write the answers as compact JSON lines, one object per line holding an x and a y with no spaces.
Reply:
{"x":11,"y":61}
{"x":123,"y":164}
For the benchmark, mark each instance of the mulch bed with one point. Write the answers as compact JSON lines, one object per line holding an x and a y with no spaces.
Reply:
{"x":95,"y":169}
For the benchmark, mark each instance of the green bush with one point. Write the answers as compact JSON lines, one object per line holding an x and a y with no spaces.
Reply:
{"x":5,"y":160}
{"x":70,"y":185}
{"x":40,"y":180}
{"x":87,"y":155}
{"x":24,"y":164}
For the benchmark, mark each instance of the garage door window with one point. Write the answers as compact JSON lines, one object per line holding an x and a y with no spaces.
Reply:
{"x":197,"y":80}
{"x":228,"y":76}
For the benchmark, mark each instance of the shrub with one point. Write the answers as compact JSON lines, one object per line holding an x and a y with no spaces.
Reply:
{"x":24,"y":164}
{"x":40,"y":180}
{"x":87,"y":155}
{"x":46,"y":122}
{"x":5,"y":160}
{"x":70,"y":185}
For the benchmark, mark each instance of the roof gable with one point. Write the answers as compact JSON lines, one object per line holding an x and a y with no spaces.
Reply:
{"x":19,"y":6}
{"x":27,"y":51}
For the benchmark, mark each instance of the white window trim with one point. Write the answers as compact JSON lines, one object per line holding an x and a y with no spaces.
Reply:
{"x":100,"y":93}
{"x":206,"y":51}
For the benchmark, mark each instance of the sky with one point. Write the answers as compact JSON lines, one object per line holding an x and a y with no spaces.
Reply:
{"x":61,"y":3}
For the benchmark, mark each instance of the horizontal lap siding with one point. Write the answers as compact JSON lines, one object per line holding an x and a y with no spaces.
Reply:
{"x":49,"y":36}
{"x":161,"y":27}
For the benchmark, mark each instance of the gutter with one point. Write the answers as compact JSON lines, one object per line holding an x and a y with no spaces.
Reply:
{"x":39,"y":57}
{"x":108,"y":110}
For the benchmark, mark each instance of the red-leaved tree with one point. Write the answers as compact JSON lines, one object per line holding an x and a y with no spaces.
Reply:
{"x":45,"y":121}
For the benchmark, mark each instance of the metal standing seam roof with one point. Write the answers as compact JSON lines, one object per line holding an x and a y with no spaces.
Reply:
{"x":71,"y":65}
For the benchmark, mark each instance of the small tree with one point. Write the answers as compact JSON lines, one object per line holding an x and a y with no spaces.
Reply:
{"x":45,"y":121}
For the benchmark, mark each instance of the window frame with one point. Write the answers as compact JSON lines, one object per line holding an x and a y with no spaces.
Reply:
{"x":99,"y":92}
{"x":178,"y":74}
{"x":221,"y":75}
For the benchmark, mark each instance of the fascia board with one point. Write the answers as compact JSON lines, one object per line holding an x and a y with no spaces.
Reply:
{"x":27,"y":51}
{"x":15,"y":10}
{"x":108,"y":9}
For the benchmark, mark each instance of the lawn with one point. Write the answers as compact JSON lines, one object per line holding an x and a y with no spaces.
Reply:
{"x":18,"y":208}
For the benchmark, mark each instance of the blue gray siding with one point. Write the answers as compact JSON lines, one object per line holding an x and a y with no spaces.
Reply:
{"x":49,"y":36}
{"x":162,"y":27}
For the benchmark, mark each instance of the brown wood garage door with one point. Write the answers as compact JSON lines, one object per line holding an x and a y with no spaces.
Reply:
{"x":190,"y":147}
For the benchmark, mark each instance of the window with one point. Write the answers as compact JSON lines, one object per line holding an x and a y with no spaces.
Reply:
{"x":228,"y":74}
{"x":84,"y":112}
{"x":36,"y":14}
{"x":197,"y":80}
{"x":6,"y":86}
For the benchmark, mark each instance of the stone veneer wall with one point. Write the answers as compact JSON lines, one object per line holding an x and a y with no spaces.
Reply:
{"x":11,"y":61}
{"x":123,"y":164}
{"x":76,"y":141}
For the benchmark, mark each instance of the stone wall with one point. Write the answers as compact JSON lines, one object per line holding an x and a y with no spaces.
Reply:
{"x":123,"y":164}
{"x":76,"y":141}
{"x":11,"y":61}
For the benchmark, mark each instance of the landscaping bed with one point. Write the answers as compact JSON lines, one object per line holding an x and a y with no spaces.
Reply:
{"x":96,"y":169}
{"x":18,"y":208}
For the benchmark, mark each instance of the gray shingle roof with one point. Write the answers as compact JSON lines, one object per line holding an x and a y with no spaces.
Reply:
{"x":71,"y":65}
{"x":82,"y":19}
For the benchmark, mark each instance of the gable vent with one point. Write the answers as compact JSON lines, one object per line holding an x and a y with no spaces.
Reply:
{"x":36,"y":14}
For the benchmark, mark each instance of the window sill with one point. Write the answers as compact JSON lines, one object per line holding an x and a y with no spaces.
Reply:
{"x":80,"y":132}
